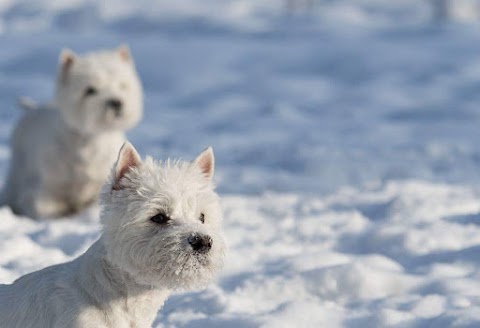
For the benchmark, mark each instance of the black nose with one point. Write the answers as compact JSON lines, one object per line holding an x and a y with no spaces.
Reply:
{"x":200,"y":243}
{"x":114,"y":104}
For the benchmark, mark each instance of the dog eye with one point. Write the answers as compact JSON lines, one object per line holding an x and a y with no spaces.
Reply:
{"x":160,"y":218}
{"x":90,"y":91}
{"x":202,"y":218}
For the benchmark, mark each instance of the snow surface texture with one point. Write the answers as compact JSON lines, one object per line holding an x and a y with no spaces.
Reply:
{"x":346,"y":140}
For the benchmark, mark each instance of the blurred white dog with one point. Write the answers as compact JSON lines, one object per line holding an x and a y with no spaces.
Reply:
{"x":162,"y":232}
{"x":61,"y":155}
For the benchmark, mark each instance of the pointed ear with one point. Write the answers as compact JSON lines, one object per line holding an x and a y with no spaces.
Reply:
{"x":124,"y":53}
{"x":206,"y":162}
{"x":66,"y":60}
{"x":128,"y":158}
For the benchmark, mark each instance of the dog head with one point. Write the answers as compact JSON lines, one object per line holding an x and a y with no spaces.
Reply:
{"x":99,"y":91}
{"x":162,"y":220}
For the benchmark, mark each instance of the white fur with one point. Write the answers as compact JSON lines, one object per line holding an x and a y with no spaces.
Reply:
{"x":125,"y":277}
{"x":61,"y":156}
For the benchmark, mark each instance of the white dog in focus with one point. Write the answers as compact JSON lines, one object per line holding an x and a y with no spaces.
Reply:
{"x":161,"y":233}
{"x":61,"y":156}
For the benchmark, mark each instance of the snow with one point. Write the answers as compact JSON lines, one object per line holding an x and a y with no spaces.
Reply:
{"x":346,"y":140}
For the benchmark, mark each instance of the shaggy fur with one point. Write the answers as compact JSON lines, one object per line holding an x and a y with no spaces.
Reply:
{"x":125,"y":277}
{"x":61,"y":155}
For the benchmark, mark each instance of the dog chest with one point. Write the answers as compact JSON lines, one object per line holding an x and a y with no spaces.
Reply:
{"x":78,"y":177}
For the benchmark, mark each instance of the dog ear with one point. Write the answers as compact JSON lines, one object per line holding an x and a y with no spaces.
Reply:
{"x":206,"y":162}
{"x":124,"y":53}
{"x":66,"y":60}
{"x":128,"y":158}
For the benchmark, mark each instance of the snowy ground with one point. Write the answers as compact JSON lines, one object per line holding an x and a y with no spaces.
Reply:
{"x":347,"y":142}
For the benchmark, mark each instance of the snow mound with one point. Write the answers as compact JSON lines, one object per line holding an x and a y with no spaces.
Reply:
{"x":371,"y":257}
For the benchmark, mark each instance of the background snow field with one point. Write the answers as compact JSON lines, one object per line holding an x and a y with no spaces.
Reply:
{"x":346,"y":139}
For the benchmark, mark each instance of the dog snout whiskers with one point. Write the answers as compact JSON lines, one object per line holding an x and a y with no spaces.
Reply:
{"x":200,"y":243}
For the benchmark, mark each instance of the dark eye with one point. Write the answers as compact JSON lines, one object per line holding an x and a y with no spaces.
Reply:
{"x":160,"y":218}
{"x":202,"y":218}
{"x":90,"y":91}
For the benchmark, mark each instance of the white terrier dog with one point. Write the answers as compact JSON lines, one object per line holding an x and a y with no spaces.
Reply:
{"x":161,"y":233}
{"x":61,"y":156}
